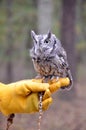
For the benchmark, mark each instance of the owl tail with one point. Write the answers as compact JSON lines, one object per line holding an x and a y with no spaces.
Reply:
{"x":71,"y":80}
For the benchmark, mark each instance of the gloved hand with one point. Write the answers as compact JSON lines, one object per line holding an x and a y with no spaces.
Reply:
{"x":55,"y":85}
{"x":22,"y":96}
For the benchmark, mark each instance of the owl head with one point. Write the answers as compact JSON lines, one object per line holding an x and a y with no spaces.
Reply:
{"x":44,"y":45}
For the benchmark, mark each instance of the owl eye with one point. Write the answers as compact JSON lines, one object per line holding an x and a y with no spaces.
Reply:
{"x":47,"y":41}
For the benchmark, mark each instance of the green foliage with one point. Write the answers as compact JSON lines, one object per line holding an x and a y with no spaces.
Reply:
{"x":24,"y":15}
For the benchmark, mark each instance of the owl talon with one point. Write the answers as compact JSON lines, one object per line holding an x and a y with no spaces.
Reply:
{"x":63,"y":87}
{"x":68,"y":87}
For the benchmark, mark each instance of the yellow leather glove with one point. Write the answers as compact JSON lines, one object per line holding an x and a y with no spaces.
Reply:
{"x":22,"y":96}
{"x":55,"y":85}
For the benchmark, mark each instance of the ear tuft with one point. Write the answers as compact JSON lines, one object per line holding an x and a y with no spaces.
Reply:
{"x":49,"y":34}
{"x":33,"y":34}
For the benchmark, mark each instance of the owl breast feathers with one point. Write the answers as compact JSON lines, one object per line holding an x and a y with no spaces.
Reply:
{"x":49,"y":57}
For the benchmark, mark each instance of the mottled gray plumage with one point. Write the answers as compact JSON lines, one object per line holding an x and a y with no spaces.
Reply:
{"x":49,"y":57}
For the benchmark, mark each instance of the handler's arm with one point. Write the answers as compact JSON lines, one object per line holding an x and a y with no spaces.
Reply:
{"x":22,"y":96}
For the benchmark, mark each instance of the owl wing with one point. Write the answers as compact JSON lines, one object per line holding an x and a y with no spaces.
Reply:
{"x":62,"y":62}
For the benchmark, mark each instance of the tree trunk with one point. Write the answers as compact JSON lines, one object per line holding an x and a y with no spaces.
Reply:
{"x":45,"y":10}
{"x":9,"y":50}
{"x":83,"y":17}
{"x":68,"y":37}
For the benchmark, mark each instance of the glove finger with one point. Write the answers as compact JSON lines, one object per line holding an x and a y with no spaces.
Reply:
{"x":64,"y":81}
{"x":37,"y":80}
{"x":46,"y":103}
{"x":38,"y":87}
{"x":56,"y":85}
{"x":25,"y":87}
{"x":47,"y":94}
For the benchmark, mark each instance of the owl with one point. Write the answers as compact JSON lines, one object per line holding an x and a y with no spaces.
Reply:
{"x":49,"y":57}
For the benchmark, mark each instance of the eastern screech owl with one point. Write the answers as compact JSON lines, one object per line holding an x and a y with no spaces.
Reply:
{"x":49,"y":57}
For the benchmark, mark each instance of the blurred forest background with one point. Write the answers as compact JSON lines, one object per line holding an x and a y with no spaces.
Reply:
{"x":67,"y":20}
